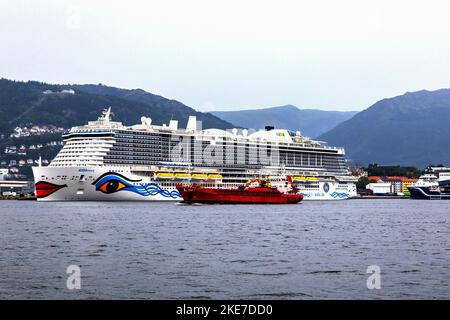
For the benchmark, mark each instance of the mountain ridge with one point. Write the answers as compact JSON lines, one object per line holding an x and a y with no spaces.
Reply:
{"x":311,"y":122}
{"x":409,"y":129}
{"x":25,"y":102}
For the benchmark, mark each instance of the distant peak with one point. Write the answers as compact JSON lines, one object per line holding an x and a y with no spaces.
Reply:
{"x":289,"y":106}
{"x":426,"y":92}
{"x":285,"y":107}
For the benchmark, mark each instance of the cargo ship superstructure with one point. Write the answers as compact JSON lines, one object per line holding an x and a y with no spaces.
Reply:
{"x":106,"y":160}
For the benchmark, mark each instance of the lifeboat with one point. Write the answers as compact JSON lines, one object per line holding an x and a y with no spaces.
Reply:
{"x":199,"y":176}
{"x":303,"y":178}
{"x":182,"y":175}
{"x":164,"y":175}
{"x":215,"y":176}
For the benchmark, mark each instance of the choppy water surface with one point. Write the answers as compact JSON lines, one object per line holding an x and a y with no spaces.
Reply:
{"x":165,"y":250}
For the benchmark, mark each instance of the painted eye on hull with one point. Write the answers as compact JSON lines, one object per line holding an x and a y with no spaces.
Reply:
{"x":111,"y":186}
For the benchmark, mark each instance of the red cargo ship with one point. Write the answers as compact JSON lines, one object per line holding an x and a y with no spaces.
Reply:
{"x":262,"y":194}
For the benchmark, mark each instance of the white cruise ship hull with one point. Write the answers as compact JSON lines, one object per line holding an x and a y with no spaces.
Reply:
{"x":98,"y":184}
{"x":328,"y":190}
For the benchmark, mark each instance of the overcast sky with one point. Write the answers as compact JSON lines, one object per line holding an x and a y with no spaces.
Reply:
{"x":332,"y":55}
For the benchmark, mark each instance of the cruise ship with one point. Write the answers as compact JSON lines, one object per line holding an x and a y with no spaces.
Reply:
{"x":106,"y":160}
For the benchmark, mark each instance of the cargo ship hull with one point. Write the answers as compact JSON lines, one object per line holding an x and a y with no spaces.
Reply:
{"x":424,"y":193}
{"x":237,"y":196}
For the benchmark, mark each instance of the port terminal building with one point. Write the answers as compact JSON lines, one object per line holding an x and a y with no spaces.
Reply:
{"x":14,"y":187}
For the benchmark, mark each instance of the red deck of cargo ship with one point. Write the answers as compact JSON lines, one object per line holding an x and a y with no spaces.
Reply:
{"x":248,"y":195}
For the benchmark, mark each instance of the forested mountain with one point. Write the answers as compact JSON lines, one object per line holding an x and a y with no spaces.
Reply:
{"x":411,"y":129}
{"x":26,"y":102}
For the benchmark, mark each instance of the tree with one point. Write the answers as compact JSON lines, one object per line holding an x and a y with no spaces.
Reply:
{"x":362,"y":183}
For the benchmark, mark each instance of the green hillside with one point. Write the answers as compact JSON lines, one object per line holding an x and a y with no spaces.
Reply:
{"x":25,"y":102}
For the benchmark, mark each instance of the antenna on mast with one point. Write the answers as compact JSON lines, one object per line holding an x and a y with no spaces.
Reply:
{"x":106,"y":115}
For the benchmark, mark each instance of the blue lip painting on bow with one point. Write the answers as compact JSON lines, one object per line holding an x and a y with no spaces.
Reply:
{"x":112,"y":182}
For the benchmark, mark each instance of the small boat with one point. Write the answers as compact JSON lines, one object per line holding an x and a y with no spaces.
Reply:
{"x":262,"y":193}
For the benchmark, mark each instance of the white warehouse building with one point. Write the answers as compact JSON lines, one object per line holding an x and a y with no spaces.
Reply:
{"x":379,"y":188}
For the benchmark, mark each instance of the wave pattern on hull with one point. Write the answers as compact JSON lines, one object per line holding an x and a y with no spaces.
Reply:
{"x":152,"y":189}
{"x":340,"y":195}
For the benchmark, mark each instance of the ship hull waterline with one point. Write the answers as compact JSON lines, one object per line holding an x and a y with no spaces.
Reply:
{"x":424,"y":193}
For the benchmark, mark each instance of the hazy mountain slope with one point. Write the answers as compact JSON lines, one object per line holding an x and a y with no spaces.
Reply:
{"x":412,"y":129}
{"x":310,"y":122}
